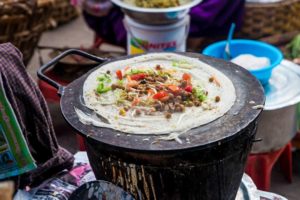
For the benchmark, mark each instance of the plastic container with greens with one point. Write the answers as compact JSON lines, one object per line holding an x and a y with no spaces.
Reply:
{"x":294,"y":48}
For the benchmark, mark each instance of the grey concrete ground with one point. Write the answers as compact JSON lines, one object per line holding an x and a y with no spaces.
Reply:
{"x":77,"y":34}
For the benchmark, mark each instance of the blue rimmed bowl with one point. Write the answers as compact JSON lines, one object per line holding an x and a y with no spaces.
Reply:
{"x":254,"y":47}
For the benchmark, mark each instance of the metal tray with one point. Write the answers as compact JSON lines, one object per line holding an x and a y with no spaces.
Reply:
{"x":283,"y":89}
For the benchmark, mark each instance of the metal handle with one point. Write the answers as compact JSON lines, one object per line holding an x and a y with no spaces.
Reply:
{"x":60,"y":88}
{"x":257,"y":140}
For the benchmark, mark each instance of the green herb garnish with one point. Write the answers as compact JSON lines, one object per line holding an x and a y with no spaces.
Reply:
{"x":139,"y":71}
{"x":120,"y":96}
{"x":163,"y":73}
{"x":104,"y":78}
{"x":101,"y":88}
{"x":182,"y":64}
{"x":199,"y":93}
{"x":120,"y":82}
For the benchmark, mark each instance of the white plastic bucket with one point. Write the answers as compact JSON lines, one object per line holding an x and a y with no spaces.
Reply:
{"x":163,"y":38}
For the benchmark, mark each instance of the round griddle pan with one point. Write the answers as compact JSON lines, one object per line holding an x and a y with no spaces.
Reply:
{"x":242,"y":113}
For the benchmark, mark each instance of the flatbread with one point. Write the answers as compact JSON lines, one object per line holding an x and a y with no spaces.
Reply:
{"x":203,"y":75}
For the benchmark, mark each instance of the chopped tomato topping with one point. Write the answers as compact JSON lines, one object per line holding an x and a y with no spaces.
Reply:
{"x":160,"y":95}
{"x":137,"y":77}
{"x":151,"y":92}
{"x":126,"y":68}
{"x":132,"y":83}
{"x":174,"y":88}
{"x":135,"y":101}
{"x":119,"y":74}
{"x":188,"y":88}
{"x":187,"y":77}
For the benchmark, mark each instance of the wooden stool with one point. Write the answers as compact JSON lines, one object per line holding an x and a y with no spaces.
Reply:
{"x":259,"y":166}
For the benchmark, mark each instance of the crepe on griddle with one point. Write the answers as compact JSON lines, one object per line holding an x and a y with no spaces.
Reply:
{"x":157,"y":93}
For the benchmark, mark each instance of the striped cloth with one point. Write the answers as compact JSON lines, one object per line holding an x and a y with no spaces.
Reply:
{"x":34,"y":118}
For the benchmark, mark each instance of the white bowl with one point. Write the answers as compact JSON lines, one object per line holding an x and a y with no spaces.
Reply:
{"x":156,"y":16}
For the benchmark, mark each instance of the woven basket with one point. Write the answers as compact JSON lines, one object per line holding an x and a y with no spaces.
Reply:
{"x":265,"y":19}
{"x":22,"y":23}
{"x":63,"y":12}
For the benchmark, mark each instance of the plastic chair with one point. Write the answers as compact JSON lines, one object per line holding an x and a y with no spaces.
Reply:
{"x":50,"y":94}
{"x":259,"y":166}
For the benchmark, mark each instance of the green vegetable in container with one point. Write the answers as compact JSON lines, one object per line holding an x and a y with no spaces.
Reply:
{"x":294,"y":48}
